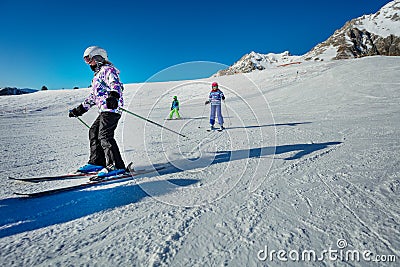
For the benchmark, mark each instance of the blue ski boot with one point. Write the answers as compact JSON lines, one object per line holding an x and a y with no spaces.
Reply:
{"x":110,"y":171}
{"x":90,"y":168}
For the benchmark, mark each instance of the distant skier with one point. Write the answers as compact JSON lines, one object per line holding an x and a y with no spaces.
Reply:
{"x":215,"y":98}
{"x":106,"y":94}
{"x":174,"y":108}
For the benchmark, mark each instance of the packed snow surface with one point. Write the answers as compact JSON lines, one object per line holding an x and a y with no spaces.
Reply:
{"x":309,"y":162}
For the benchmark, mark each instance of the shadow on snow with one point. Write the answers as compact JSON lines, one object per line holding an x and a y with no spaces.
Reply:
{"x":20,"y":215}
{"x":25,"y":214}
{"x":270,"y":125}
{"x":300,"y":150}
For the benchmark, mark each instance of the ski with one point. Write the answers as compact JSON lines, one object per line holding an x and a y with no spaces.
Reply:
{"x":125,"y":176}
{"x":54,"y":177}
{"x":216,"y":129}
{"x":58,"y":177}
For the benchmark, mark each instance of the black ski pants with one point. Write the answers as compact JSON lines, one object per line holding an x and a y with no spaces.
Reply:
{"x":103,"y":147}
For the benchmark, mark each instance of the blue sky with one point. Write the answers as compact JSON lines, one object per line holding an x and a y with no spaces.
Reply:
{"x":42,"y":42}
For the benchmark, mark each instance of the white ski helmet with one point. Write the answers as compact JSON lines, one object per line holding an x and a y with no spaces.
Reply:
{"x":92,"y":51}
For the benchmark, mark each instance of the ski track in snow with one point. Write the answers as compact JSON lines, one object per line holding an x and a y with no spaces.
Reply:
{"x":319,"y":162}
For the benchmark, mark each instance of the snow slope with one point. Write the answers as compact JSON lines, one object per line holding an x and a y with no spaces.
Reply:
{"x":310,"y":161}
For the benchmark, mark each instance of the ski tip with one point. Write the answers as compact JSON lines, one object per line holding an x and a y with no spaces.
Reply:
{"x":130,"y":167}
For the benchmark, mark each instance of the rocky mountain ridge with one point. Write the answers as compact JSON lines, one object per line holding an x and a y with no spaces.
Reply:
{"x":15,"y":91}
{"x":368,"y":35}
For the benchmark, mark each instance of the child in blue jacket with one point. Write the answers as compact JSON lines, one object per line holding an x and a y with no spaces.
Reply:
{"x":175,"y":108}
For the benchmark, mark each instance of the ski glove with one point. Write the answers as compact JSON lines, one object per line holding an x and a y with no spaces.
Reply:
{"x":78,"y":111}
{"x":207,"y":102}
{"x":112,"y":100}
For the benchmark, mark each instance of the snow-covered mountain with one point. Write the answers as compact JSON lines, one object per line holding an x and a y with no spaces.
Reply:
{"x":257,"y":61}
{"x":368,"y":35}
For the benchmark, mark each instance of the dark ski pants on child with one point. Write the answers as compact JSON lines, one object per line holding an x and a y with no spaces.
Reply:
{"x":103,"y":147}
{"x":216,"y":109}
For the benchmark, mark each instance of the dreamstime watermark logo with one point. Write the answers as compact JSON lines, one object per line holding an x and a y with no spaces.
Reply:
{"x":201,"y":165}
{"x":341,"y":253}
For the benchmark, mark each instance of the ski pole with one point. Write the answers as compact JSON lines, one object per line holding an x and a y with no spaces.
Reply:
{"x":159,"y":125}
{"x":84,"y":123}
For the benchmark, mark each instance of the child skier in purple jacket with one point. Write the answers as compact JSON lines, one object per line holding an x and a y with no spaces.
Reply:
{"x":106,"y":94}
{"x":215,"y":98}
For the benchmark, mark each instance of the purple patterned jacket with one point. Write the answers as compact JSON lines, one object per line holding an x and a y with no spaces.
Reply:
{"x":104,"y":81}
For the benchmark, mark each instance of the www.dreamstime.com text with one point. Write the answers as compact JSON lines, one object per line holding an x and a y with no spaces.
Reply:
{"x":330,"y":254}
